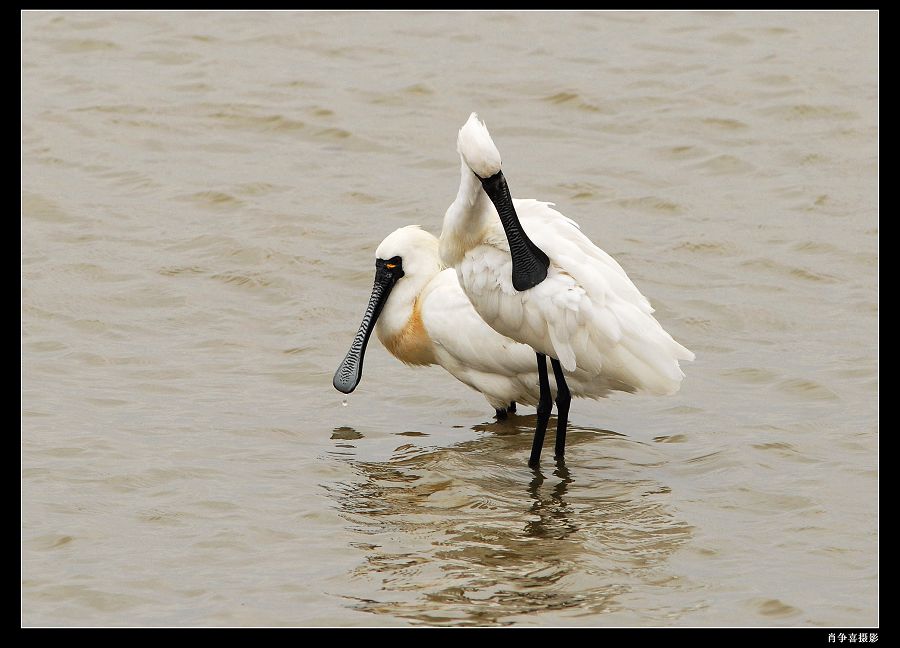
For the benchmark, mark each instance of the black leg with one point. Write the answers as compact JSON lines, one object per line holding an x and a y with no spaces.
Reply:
{"x":543,"y":410}
{"x":512,"y":408}
{"x":563,"y":398}
{"x":500,"y":415}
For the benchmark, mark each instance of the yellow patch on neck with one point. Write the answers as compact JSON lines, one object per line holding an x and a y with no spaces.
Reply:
{"x":412,"y":344}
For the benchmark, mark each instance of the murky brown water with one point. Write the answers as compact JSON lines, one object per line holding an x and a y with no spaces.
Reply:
{"x":202,"y":195}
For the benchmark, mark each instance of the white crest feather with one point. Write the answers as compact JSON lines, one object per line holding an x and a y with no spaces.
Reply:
{"x":477,"y":148}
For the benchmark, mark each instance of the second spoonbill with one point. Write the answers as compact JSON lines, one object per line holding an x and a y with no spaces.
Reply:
{"x":534,"y":277}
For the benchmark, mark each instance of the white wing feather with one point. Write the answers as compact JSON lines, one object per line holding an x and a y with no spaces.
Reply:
{"x":477,"y":355}
{"x":587,"y":313}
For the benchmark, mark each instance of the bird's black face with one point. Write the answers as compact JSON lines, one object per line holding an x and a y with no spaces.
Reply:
{"x":392,"y":269}
{"x":349,"y":372}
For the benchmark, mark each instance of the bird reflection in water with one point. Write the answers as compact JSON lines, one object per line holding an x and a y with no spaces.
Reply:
{"x":467,"y":535}
{"x":552,"y":512}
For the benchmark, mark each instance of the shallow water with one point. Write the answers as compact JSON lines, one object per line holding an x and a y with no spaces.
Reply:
{"x":202,"y":194}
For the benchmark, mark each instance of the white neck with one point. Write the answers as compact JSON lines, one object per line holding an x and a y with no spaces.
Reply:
{"x":466,"y":219}
{"x":399,"y":306}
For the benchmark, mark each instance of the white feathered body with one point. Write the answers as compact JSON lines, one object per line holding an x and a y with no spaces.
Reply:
{"x":428,"y":319}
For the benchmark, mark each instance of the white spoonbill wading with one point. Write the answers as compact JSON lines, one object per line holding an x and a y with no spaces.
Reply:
{"x":534,"y":277}
{"x":423,"y":317}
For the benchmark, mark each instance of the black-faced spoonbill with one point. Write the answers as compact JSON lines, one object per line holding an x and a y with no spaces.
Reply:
{"x":534,"y":277}
{"x":423,"y":317}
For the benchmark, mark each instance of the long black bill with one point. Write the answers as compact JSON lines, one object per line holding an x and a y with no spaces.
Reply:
{"x":529,"y":263}
{"x":349,"y":373}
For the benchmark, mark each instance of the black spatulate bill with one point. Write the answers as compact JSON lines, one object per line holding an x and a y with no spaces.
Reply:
{"x":529,"y":263}
{"x":349,"y":372}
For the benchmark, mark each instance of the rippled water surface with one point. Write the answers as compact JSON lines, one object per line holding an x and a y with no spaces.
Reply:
{"x":202,"y":194}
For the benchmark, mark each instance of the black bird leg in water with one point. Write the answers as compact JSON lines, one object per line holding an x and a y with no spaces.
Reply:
{"x":543,"y":410}
{"x":563,"y":398}
{"x":501,"y":414}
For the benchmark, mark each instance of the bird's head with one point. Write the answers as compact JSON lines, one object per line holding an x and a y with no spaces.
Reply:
{"x":405,"y":262}
{"x":477,"y":149}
